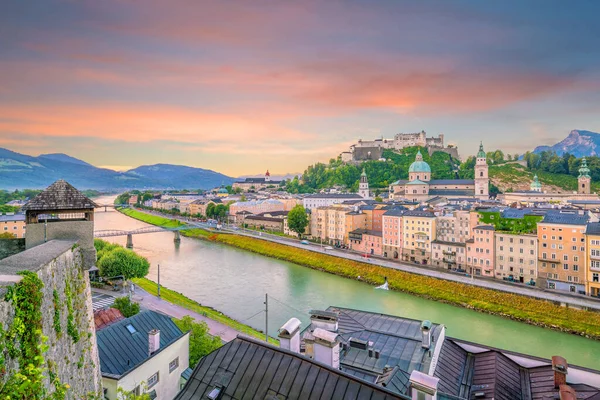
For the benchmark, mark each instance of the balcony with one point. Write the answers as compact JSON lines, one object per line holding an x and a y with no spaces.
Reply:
{"x":449,"y":253}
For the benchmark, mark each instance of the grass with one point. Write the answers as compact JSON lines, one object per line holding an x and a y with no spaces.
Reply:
{"x":520,"y":308}
{"x":179,"y":299}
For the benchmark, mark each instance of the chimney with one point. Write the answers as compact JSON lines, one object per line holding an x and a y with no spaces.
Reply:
{"x":326,"y":348}
{"x":153,"y":341}
{"x":324,"y":319}
{"x":289,"y":335}
{"x":426,"y":332}
{"x":423,"y":386}
{"x":560,"y":368}
{"x":566,"y":392}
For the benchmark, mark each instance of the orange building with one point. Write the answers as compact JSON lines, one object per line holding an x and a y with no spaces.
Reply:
{"x":14,"y":224}
{"x":392,"y":233}
{"x":561,"y":251}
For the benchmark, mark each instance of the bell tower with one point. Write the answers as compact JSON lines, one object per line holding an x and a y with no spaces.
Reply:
{"x":482,"y":181}
{"x":363,"y":187}
{"x":584,"y":179}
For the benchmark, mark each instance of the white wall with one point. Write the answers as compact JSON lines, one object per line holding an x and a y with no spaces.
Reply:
{"x":168,"y":382}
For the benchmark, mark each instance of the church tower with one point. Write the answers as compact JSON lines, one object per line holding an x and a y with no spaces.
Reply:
{"x":267,"y":176}
{"x":584,"y":180}
{"x":482,"y":181}
{"x":363,"y":187}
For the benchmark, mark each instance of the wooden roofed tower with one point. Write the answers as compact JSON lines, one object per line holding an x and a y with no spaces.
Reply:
{"x":61,"y":212}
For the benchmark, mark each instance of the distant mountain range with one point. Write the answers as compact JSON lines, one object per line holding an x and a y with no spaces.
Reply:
{"x":579,"y":143}
{"x":20,"y":171}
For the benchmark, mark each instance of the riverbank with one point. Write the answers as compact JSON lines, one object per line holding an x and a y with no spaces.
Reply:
{"x":521,"y":308}
{"x":179,"y":299}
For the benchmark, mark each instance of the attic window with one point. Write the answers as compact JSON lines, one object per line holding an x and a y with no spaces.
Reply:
{"x":131,"y":329}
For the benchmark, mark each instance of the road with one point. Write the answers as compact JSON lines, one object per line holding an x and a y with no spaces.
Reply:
{"x":573,"y":300}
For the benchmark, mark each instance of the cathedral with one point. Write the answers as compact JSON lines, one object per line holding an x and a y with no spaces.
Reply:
{"x":420,"y":187}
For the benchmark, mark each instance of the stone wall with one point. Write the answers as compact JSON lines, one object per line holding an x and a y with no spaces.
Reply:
{"x":67,"y":314}
{"x":8,"y":247}
{"x":82,"y":231}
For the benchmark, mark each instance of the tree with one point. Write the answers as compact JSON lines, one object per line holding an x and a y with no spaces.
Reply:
{"x":7,"y":235}
{"x":210,"y":210}
{"x":122,"y":262}
{"x":298,"y":220}
{"x":201,"y":342}
{"x":126,"y":306}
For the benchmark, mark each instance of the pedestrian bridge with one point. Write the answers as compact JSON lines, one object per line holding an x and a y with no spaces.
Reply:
{"x":149,"y":229}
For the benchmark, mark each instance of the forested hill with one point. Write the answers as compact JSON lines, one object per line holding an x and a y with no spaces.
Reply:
{"x":379,"y":173}
{"x":556,"y":173}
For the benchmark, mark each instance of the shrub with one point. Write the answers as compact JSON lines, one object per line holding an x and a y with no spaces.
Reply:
{"x":123,"y":262}
{"x":126,"y":306}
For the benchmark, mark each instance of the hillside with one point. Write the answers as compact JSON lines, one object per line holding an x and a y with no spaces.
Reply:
{"x":578,"y":143}
{"x":19,"y":171}
{"x":515,"y":177}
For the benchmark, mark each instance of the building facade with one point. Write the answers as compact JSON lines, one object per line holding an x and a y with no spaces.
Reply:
{"x":13,"y":224}
{"x":516,"y":256}
{"x":327,"y":199}
{"x":449,"y":255}
{"x":480,"y":251}
{"x":419,"y":228}
{"x":592,"y":238}
{"x":392,"y":233}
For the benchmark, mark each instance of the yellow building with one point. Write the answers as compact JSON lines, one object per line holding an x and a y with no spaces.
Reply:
{"x":419,"y":230}
{"x":592,"y":237}
{"x":14,"y":224}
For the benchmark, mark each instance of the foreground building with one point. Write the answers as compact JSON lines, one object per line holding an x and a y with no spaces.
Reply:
{"x":419,"y":231}
{"x":146,"y":353}
{"x":353,"y":354}
{"x":592,"y":237}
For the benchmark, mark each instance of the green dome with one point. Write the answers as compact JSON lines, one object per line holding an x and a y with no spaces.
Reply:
{"x":536,"y":183}
{"x":223,"y":190}
{"x":419,"y":165}
{"x":481,"y":153}
{"x":584,"y":171}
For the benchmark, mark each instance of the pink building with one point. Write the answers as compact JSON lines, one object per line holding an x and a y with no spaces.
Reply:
{"x":480,"y":251}
{"x":366,"y":241}
{"x":392,"y":233}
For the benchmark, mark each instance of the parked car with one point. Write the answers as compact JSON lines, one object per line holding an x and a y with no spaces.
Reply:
{"x":328,"y":248}
{"x":304,"y":242}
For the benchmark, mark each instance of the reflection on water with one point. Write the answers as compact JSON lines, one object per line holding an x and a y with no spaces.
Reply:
{"x":234,"y":282}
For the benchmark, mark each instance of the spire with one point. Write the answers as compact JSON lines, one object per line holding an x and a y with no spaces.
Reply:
{"x":481,"y":153}
{"x":584,"y":171}
{"x":364,"y":173}
{"x":419,"y":156}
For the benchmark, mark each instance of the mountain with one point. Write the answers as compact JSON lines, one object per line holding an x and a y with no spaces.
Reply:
{"x":579,"y":143}
{"x":20,"y":171}
{"x":273,"y":177}
{"x":64,"y":158}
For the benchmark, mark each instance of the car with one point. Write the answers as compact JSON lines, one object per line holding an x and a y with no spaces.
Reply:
{"x":304,"y":242}
{"x":328,"y":248}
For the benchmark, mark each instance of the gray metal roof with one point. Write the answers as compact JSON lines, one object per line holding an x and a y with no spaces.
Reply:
{"x":247,"y":368}
{"x":416,"y":213}
{"x":61,"y":195}
{"x":14,"y":217}
{"x":334,"y":196}
{"x":593,"y":228}
{"x":451,"y":192}
{"x":121,"y":351}
{"x":395,"y":212}
{"x":566,"y":218}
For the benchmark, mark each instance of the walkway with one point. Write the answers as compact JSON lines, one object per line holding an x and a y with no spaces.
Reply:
{"x":150,"y":302}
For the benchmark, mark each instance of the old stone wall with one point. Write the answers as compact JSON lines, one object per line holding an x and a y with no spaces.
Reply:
{"x":82,"y":231}
{"x":8,"y":247}
{"x":67,"y":315}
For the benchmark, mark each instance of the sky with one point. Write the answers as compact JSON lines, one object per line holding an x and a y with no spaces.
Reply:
{"x":240,"y":87}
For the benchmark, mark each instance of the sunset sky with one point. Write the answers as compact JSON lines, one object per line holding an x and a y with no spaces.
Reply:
{"x":241,"y":87}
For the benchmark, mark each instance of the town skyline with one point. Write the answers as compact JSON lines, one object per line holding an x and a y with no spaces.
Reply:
{"x":282,"y":86}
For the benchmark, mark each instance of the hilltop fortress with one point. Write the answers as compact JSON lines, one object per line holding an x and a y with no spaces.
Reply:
{"x":365,"y":150}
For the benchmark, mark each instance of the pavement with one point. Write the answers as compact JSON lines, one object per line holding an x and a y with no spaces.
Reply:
{"x":150,"y":302}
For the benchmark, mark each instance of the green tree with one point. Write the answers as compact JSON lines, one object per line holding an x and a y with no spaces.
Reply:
{"x":122,"y":262}
{"x":298,"y":220}
{"x":126,"y":306}
{"x":7,"y":235}
{"x":210,"y":210}
{"x":201,"y":342}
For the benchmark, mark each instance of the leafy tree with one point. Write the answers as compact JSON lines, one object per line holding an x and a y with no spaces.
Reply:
{"x":120,"y":261}
{"x":298,"y":220}
{"x":8,"y":209}
{"x":126,"y":306}
{"x":210,"y":210}
{"x":7,"y":235}
{"x":378,"y":199}
{"x":201,"y":342}
{"x":123,"y":394}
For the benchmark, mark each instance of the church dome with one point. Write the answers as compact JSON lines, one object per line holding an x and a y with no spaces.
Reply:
{"x":536,"y":185}
{"x":419,"y":165}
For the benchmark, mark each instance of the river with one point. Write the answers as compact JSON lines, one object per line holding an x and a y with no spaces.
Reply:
{"x":235,"y":282}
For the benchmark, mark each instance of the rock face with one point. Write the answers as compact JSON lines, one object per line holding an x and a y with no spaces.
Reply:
{"x":579,"y":143}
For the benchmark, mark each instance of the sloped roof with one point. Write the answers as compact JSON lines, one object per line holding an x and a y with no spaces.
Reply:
{"x":104,"y":318}
{"x":121,"y":351}
{"x":247,"y":368}
{"x":61,"y":195}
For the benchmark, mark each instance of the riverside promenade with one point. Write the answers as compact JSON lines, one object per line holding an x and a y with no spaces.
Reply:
{"x":566,"y":299}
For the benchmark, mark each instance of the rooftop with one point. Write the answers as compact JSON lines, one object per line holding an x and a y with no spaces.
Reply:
{"x":13,"y":217}
{"x":248,"y":368}
{"x":565,"y":218}
{"x":334,"y":196}
{"x":121,"y":351}
{"x":452,"y":182}
{"x":60,"y":196}
{"x":415,"y":213}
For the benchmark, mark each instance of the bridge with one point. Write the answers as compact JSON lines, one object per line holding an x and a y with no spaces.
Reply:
{"x":148,"y":229}
{"x":106,"y":206}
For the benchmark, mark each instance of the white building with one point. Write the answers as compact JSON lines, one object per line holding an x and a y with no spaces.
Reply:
{"x":146,"y":353}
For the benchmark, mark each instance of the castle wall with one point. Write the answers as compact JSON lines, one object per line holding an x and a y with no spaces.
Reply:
{"x":82,"y":231}
{"x":72,"y":355}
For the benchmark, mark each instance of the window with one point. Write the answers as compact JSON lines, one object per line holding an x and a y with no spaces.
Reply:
{"x":551,"y":285}
{"x":173,"y":365}
{"x":153,"y":380}
{"x":575,"y":267}
{"x":565,"y":257}
{"x":565,"y":266}
{"x":131,"y":329}
{"x":595,"y":277}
